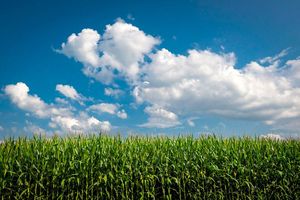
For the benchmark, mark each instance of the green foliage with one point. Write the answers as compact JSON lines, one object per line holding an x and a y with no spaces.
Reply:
{"x":102,"y":167}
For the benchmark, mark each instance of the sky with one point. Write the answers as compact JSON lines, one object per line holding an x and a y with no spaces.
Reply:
{"x":231,"y":68}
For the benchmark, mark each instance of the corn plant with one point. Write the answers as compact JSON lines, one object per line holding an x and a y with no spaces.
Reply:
{"x":103,"y":167}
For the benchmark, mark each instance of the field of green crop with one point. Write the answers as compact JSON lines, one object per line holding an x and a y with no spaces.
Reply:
{"x":102,"y":167}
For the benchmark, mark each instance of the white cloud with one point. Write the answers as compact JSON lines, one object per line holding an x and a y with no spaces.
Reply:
{"x":103,"y":74}
{"x":18,"y":94}
{"x":160,"y":118}
{"x":124,"y":46}
{"x":68,"y":91}
{"x":60,"y":117}
{"x":105,"y":108}
{"x":113,"y":92}
{"x":293,"y":71}
{"x":199,"y":83}
{"x":109,"y":108}
{"x":66,"y":123}
{"x":104,"y":125}
{"x":83,"y":123}
{"x":272,"y":136}
{"x":121,"y":49}
{"x":204,"y":82}
{"x":1,"y":128}
{"x":83,"y":47}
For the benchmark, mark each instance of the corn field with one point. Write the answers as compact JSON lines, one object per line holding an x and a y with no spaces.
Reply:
{"x":103,"y":167}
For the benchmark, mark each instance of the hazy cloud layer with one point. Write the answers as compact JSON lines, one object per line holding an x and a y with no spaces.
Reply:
{"x":113,"y":92}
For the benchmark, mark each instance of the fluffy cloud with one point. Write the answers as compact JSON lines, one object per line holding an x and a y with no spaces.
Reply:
{"x":60,"y":117}
{"x":293,"y":71}
{"x":160,"y":118}
{"x":204,"y":82}
{"x":272,"y":136}
{"x":68,"y":91}
{"x":83,"y":123}
{"x":83,"y":47}
{"x":123,"y":37}
{"x":18,"y":94}
{"x":104,"y":108}
{"x":119,"y":52}
{"x":113,"y":109}
{"x":1,"y":128}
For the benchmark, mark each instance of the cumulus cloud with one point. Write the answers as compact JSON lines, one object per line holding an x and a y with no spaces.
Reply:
{"x":123,"y":37}
{"x":272,"y":136}
{"x":160,"y":118}
{"x":18,"y":94}
{"x":113,"y":109}
{"x":293,"y":71}
{"x":60,"y":117}
{"x":204,"y":82}
{"x":198,"y":83}
{"x":83,"y":47}
{"x":70,"y":92}
{"x":104,"y":108}
{"x":83,"y":123}
{"x":119,"y":52}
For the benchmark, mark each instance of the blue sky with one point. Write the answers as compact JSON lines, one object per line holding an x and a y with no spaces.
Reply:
{"x":150,"y":67}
